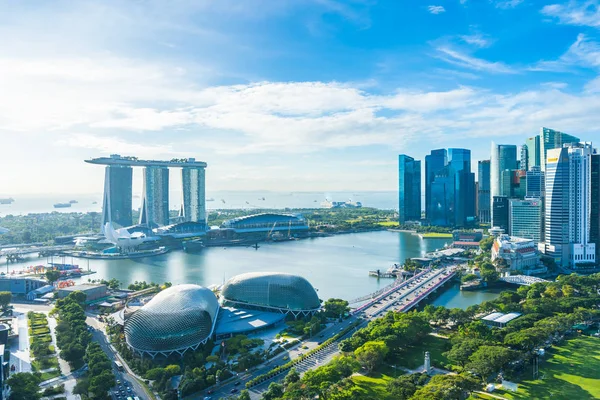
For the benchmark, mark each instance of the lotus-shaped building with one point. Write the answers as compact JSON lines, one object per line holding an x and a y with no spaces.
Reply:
{"x":271,"y":291}
{"x":177,"y":319}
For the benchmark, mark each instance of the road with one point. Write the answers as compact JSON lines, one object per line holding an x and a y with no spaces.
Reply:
{"x":401,"y":298}
{"x":128,"y":386}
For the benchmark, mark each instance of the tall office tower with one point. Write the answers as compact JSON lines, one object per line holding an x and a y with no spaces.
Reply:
{"x":116,"y":205}
{"x":483,"y":194}
{"x":155,"y":196}
{"x":568,"y":205}
{"x":459,"y":163}
{"x":551,"y":139}
{"x":524,"y":163}
{"x":595,"y":204}
{"x":434,"y":163}
{"x":194,"y":197}
{"x":535,"y":182}
{"x":525,"y":219}
{"x":442,"y":198}
{"x":409,"y":189}
{"x":500,"y":214}
{"x":533,"y":151}
{"x":503,"y":157}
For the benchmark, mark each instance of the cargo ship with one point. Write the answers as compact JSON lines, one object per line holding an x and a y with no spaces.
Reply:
{"x":73,"y":201}
{"x":62,"y":205}
{"x":9,"y":200}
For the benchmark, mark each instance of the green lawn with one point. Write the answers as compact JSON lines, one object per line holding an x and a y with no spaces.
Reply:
{"x":45,"y":363}
{"x":49,"y":375}
{"x":373,"y":386}
{"x":570,"y":371}
{"x":434,"y":235}
{"x":388,"y":223}
{"x":414,"y":356}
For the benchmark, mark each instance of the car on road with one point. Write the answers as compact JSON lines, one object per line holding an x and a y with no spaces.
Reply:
{"x":237,"y":383}
{"x":234,"y":390}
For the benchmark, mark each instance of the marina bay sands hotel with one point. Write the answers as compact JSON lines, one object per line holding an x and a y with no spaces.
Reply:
{"x":117,"y":202}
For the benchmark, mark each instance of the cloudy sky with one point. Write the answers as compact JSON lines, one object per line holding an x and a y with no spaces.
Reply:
{"x":285,"y":95}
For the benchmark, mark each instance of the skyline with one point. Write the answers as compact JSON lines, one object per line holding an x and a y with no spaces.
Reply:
{"x":318,"y":96}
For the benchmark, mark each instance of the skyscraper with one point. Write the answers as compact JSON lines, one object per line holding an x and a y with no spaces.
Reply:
{"x":525,"y":219}
{"x":484,"y":201}
{"x":524,"y":163}
{"x":116,"y":205}
{"x":459,"y":163}
{"x":193,"y":186}
{"x":500,"y":213}
{"x":533,"y":151}
{"x":409,"y":189}
{"x":535,"y":182}
{"x":442,"y":198}
{"x":595,"y":204}
{"x":568,"y":205}
{"x":155,"y":196}
{"x":551,"y":139}
{"x":434,"y":163}
{"x":504,"y":157}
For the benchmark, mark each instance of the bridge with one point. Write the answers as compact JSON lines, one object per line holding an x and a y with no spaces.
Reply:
{"x":400,"y":297}
{"x":523,"y":280}
{"x":18,"y":254}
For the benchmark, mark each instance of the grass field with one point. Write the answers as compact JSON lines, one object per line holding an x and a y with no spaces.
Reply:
{"x":373,"y":386}
{"x":571,"y":371}
{"x":388,"y":223}
{"x":414,"y":356}
{"x":435,"y":235}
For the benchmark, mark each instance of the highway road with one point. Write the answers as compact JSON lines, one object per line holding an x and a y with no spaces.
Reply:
{"x":400,"y":299}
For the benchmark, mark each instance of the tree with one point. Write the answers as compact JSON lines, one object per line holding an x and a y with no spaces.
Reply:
{"x":292,"y":377}
{"x":72,"y":353}
{"x":274,"y":391}
{"x":24,"y":386}
{"x":371,"y":354}
{"x":101,"y":384}
{"x":442,"y":387}
{"x":461,"y":351}
{"x":526,"y":339}
{"x":5,"y":299}
{"x":468,"y":278}
{"x":487,"y":243}
{"x":52,"y":276}
{"x":244,"y":395}
{"x":568,"y":290}
{"x":335,"y":308}
{"x":489,"y":359}
{"x":78,"y":296}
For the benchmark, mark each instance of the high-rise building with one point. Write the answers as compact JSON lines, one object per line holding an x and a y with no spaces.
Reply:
{"x":442,"y":198}
{"x":483,"y":194}
{"x":525,"y":219}
{"x":459,"y":163}
{"x":409,"y":189}
{"x":551,"y":139}
{"x":595,"y":204}
{"x":500,"y":213}
{"x":193,"y":186}
{"x":434,"y":163}
{"x":524,"y":163}
{"x":533,"y":151}
{"x":155,"y":196}
{"x":535,"y":182}
{"x":568,"y":205}
{"x":117,"y":201}
{"x":503,"y":157}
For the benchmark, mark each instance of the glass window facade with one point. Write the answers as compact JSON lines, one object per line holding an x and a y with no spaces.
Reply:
{"x":409,"y":189}
{"x":484,"y":201}
{"x":117,"y":202}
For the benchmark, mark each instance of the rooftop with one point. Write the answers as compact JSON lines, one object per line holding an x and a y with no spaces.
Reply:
{"x":233,"y":320}
{"x":116,"y":159}
{"x":83,"y":287}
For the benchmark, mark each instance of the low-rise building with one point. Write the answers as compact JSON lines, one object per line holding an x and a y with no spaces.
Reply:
{"x":519,"y":253}
{"x":92,"y":291}
{"x":499,"y":319}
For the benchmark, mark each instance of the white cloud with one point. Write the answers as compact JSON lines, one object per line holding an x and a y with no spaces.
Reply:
{"x":505,"y":4}
{"x":464,"y":60}
{"x":583,"y":13}
{"x":436,"y":9}
{"x":110,"y":144}
{"x":477,"y":39}
{"x":583,"y":53}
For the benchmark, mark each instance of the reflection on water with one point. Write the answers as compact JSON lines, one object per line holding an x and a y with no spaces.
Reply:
{"x":453,"y":297}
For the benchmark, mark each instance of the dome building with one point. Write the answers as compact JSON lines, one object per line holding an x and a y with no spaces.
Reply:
{"x":271,"y":291}
{"x":177,"y":319}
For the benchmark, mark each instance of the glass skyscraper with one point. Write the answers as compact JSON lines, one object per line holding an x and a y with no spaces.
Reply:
{"x":409,"y":189}
{"x":117,"y":201}
{"x":193,"y":186}
{"x":484,"y":201}
{"x":433,"y":164}
{"x":533,"y":151}
{"x":155,"y":196}
{"x":459,"y":163}
{"x":595,"y":204}
{"x":526,"y":219}
{"x":551,"y":139}
{"x":500,"y":213}
{"x":503,"y":157}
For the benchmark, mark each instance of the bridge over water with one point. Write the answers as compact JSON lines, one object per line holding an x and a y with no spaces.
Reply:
{"x":523,"y":280}
{"x":17,"y":254}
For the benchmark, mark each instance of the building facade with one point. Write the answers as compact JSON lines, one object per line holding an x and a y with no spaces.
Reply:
{"x":595,"y":204}
{"x":409,"y":189}
{"x":500,"y":212}
{"x":550,"y":139}
{"x":117,"y":200}
{"x":533,"y":152}
{"x":155,"y":196}
{"x":535,"y":182}
{"x":194,"y":195}
{"x":434,"y":163}
{"x":525,"y":219}
{"x":519,"y":253}
{"x":463,"y":201}
{"x":503,"y":158}
{"x":484,"y":203}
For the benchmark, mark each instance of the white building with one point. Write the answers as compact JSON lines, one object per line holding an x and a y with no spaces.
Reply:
{"x":519,"y":253}
{"x":526,"y":219}
{"x":568,"y":205}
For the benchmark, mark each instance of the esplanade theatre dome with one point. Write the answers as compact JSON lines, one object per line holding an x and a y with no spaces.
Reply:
{"x":271,"y":291}
{"x":179,"y":318}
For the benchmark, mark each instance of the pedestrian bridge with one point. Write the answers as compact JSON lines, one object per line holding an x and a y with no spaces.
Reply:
{"x":523,"y":280}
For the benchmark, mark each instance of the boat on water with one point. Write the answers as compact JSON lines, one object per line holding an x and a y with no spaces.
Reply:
{"x":94,"y":202}
{"x":117,"y":256}
{"x":62,"y":205}
{"x":73,"y":201}
{"x":8,"y":200}
{"x":210,"y":199}
{"x":193,"y":246}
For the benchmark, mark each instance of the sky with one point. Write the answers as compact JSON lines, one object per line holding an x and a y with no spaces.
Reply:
{"x":286,"y":95}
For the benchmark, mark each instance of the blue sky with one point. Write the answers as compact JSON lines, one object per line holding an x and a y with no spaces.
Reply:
{"x":289,"y":94}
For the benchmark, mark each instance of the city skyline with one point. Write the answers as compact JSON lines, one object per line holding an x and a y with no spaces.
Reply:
{"x":273,"y":95}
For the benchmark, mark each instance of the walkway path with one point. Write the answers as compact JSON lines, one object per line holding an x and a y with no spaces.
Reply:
{"x":65,"y":368}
